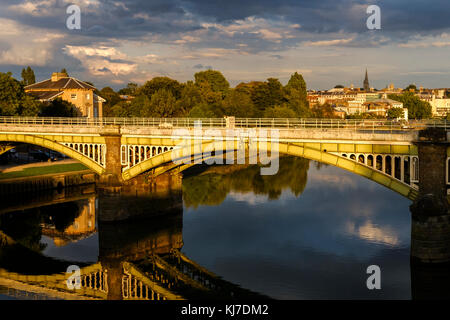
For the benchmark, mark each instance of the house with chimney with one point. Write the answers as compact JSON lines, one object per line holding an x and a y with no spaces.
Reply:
{"x":78,"y":92}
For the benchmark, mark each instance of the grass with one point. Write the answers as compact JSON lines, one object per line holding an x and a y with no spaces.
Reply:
{"x":39,"y":171}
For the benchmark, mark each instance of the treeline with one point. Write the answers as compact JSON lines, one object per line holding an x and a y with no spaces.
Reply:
{"x":209,"y":95}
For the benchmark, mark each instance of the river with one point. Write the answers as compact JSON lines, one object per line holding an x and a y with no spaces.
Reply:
{"x":309,"y":232}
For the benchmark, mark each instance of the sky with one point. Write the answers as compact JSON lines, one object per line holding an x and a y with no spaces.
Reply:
{"x":327,"y":41}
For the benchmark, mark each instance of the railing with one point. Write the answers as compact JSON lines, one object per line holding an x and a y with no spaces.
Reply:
{"x":278,"y":123}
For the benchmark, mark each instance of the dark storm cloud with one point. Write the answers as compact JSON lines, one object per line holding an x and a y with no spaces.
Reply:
{"x":119,"y":19}
{"x":134,"y":18}
{"x":332,"y":16}
{"x":200,"y":66}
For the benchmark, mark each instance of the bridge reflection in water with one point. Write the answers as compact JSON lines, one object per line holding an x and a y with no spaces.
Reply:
{"x":140,"y":237}
{"x":139,"y":258}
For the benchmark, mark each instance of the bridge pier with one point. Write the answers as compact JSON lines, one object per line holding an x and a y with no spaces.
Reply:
{"x":113,"y":174}
{"x":430,"y":226}
{"x":138,"y":198}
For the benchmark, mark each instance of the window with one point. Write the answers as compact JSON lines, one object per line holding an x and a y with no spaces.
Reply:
{"x":88,"y":96}
{"x":73,"y":95}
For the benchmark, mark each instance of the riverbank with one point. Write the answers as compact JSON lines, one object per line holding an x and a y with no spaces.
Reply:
{"x":12,"y":172}
{"x":40,"y":176}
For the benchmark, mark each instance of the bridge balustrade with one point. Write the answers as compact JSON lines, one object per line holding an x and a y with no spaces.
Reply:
{"x":278,"y":123}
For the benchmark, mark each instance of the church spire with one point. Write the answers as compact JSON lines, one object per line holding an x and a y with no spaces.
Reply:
{"x":366,"y":83}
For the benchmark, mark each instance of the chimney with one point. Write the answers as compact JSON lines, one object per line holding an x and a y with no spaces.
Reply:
{"x":58,"y":75}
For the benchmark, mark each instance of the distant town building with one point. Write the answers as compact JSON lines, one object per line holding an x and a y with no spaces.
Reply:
{"x":366,"y":83}
{"x":381,"y":106}
{"x":126,"y":98}
{"x":80,"y":93}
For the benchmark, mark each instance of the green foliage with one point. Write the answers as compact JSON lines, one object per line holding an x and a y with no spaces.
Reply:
{"x":260,"y":97}
{"x":394,"y":113}
{"x":111,"y":97}
{"x":212,"y":80}
{"x":239,"y":104}
{"x":162,"y":105}
{"x":63,"y":70}
{"x":412,"y":87}
{"x":122,"y":110}
{"x":210,"y":96}
{"x":205,"y":110}
{"x":130,"y":89}
{"x":298,"y":83}
{"x":323,"y":111}
{"x":59,"y":108}
{"x":29,"y":107}
{"x":212,"y":186}
{"x":275,"y":92}
{"x":279,"y":112}
{"x":159,"y":83}
{"x":417,"y":109}
{"x":190,"y":97}
{"x":28,"y":76}
{"x":13,"y":99}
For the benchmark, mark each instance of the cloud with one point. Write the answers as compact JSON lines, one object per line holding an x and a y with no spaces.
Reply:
{"x":102,"y":60}
{"x":253,"y":37}
{"x":200,"y":66}
{"x":21,"y":45}
{"x":328,"y":42}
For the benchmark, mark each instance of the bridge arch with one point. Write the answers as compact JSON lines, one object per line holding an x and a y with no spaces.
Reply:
{"x":350,"y":164}
{"x":55,"y":146}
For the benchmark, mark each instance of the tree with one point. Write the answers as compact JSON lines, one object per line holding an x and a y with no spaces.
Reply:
{"x":205,"y":110}
{"x":279,"y":112}
{"x":29,"y":107}
{"x":215,"y":80}
{"x":298,"y":83}
{"x":275,"y":92}
{"x":111,"y":97}
{"x":162,"y":104}
{"x":339,"y":86}
{"x":295,"y":93}
{"x":13,"y":99}
{"x":213,"y":86}
{"x":260,"y":96}
{"x":395,"y":113}
{"x":411,"y":87}
{"x":130,"y":89}
{"x":417,"y":109}
{"x":121,"y":110}
{"x":59,"y":108}
{"x":28,"y":76}
{"x":239,"y":104}
{"x":63,"y":70}
{"x":323,"y":111}
{"x":158,"y":83}
{"x":190,"y":97}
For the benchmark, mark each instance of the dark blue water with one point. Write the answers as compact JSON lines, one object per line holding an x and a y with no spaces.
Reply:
{"x":315,"y":246}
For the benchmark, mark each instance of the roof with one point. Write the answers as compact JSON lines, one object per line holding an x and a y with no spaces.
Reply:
{"x":45,"y":95}
{"x":98,"y":98}
{"x":64,"y":83}
{"x":390,"y":101}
